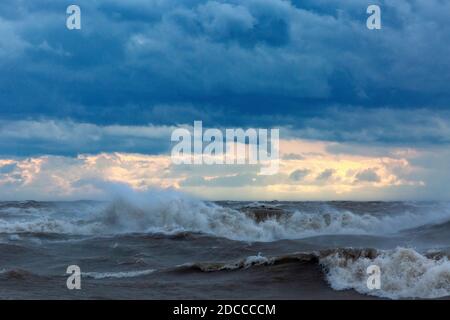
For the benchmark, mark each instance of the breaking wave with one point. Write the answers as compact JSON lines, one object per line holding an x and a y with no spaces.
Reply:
{"x":405,"y":273}
{"x":50,"y":225}
{"x":172,"y":213}
{"x":245,"y":263}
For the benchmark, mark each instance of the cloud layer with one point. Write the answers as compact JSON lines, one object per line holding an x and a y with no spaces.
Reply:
{"x":314,"y":174}
{"x":362,"y":114}
{"x":166,"y":62}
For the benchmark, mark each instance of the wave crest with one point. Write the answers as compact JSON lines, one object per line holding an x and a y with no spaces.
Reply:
{"x":405,"y":273}
{"x":173,"y":213}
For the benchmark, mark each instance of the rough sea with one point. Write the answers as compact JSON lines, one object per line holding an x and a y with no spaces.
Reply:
{"x":169,"y":246}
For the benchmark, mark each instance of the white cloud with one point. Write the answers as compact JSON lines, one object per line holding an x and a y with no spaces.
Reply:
{"x":400,"y":174}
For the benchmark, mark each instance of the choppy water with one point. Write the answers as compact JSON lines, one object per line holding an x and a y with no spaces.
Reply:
{"x":168,"y":246}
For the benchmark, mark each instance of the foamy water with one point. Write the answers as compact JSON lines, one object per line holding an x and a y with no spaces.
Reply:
{"x":167,"y":238}
{"x":175,"y":213}
{"x":405,"y":273}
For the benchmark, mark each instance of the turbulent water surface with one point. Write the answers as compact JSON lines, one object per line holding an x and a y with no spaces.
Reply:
{"x":173,"y":247}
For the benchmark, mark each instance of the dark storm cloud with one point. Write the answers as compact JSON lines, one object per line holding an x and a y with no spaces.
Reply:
{"x":368,"y":175}
{"x":7,"y":168}
{"x":27,"y":138}
{"x":415,"y":127}
{"x":325,"y":175}
{"x":298,"y":175}
{"x":259,"y":63}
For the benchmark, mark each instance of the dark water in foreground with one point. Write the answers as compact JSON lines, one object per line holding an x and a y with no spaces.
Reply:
{"x":172,"y":247}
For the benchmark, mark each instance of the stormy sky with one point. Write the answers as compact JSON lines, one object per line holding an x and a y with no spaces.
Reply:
{"x":363,"y":114}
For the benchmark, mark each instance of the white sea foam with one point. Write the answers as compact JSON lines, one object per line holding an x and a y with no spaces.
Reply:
{"x":46,"y":224}
{"x":176,"y":213}
{"x":245,"y":263}
{"x":405,"y":273}
{"x":171,"y":212}
{"x":14,"y":237}
{"x":248,"y":262}
{"x":121,"y":274}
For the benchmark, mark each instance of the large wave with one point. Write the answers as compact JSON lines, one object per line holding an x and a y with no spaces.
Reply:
{"x":405,"y":273}
{"x":172,"y":212}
